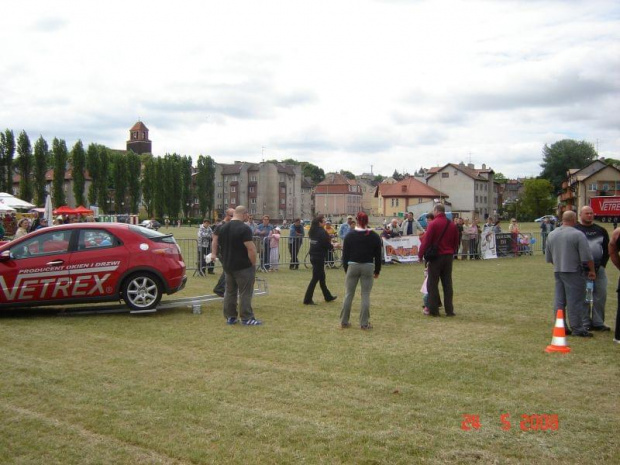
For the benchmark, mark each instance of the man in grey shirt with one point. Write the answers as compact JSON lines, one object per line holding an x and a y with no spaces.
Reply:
{"x":567,"y":249}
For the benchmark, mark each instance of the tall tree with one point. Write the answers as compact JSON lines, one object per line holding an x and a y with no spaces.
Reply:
{"x":347,"y":174}
{"x":205,"y":180}
{"x":60,"y":156}
{"x":134,"y":168}
{"x":187,"y":196}
{"x":172,"y":185}
{"x":537,"y":199}
{"x":159,"y":191}
{"x":119,"y":178}
{"x":41,"y":165}
{"x":564,"y":155}
{"x":148,"y":186}
{"x":78,"y":168}
{"x":93,"y":167}
{"x":24,"y":164}
{"x":7,"y":152}
{"x":103,"y":181}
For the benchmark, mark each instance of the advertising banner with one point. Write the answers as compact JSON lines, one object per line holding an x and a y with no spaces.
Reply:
{"x":401,"y":249}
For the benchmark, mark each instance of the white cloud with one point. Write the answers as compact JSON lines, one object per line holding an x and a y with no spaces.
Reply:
{"x":346,"y":85}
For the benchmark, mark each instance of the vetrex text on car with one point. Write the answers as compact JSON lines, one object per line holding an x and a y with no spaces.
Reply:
{"x":90,"y":262}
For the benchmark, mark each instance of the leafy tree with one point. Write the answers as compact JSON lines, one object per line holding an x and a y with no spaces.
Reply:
{"x":24,"y":164}
{"x":172,"y":185}
{"x":612,"y":162}
{"x":103,"y":181}
{"x":119,"y":181}
{"x":205,"y":180}
{"x":78,"y":166}
{"x":313,"y":172}
{"x":159,"y":197}
{"x":398,"y":176}
{"x":148,"y":185}
{"x":562,"y":156}
{"x":93,"y":167}
{"x":378,"y":179}
{"x":7,"y":152}
{"x":41,"y":165}
{"x":537,"y":199}
{"x":59,"y":161}
{"x":187,"y":197}
{"x":499,"y":177}
{"x":134,"y":168}
{"x":347,"y":174}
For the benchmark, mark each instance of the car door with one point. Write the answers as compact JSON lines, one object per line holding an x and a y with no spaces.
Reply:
{"x":97,"y":263}
{"x":35,"y":269}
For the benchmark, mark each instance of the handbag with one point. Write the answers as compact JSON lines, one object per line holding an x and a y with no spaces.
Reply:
{"x":432,"y":251}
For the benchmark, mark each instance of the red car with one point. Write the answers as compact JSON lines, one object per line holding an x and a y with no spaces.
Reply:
{"x":90,"y":262}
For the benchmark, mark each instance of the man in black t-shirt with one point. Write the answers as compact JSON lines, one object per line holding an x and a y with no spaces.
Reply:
{"x":220,"y":287}
{"x":239,"y":262}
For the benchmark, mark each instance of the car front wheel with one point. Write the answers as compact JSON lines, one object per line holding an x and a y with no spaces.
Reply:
{"x":142,"y":291}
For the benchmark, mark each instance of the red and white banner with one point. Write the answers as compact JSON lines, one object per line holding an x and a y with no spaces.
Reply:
{"x":401,"y":249}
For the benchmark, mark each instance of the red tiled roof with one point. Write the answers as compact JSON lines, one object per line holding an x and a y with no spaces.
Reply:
{"x":139,"y":126}
{"x":408,"y":187}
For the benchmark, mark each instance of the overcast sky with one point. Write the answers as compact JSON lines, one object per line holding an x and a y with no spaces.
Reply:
{"x":344,"y":84}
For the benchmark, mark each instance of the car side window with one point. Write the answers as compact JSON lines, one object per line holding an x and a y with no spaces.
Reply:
{"x":53,"y":242}
{"x":96,"y":239}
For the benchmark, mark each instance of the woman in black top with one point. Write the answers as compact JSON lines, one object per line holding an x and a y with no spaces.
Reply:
{"x":320,"y":244}
{"x":361,"y":260}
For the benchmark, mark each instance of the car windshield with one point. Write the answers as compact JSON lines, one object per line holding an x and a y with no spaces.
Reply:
{"x":153,"y":235}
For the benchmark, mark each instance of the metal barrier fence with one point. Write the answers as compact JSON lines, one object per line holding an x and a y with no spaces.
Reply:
{"x":287,"y":250}
{"x":527,"y":244}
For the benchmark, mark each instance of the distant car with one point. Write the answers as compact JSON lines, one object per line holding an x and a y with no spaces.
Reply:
{"x":424,"y":223}
{"x":552,"y":218}
{"x":90,"y":262}
{"x":151,"y":224}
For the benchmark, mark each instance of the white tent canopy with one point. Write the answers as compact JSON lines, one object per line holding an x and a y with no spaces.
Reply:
{"x":8,"y":200}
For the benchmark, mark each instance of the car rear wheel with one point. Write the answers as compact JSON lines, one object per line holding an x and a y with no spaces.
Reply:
{"x":142,"y":291}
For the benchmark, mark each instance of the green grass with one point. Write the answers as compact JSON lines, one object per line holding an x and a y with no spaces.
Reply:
{"x":176,"y":387}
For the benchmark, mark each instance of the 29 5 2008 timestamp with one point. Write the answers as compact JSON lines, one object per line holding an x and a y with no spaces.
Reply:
{"x":525,"y":422}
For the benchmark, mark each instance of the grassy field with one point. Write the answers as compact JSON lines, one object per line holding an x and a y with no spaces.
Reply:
{"x":176,"y":387}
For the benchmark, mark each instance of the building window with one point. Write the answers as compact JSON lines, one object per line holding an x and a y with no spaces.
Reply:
{"x":476,"y":199}
{"x":253,"y":201}
{"x":445,"y":175}
{"x":251,"y":189}
{"x":605,"y":187}
{"x":592,"y":186}
{"x":233,"y":201}
{"x":252,"y":178}
{"x":219,"y":184}
{"x":233,"y":189}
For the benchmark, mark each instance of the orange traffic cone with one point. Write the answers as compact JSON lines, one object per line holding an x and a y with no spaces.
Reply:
{"x":558,"y":341}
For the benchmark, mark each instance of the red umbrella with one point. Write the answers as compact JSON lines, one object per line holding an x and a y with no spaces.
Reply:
{"x":82,"y":210}
{"x":64,"y":210}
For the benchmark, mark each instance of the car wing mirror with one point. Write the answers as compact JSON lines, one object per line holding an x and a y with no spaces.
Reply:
{"x":5,"y":256}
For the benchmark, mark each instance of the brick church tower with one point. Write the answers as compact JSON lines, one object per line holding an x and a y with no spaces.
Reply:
{"x":139,"y":139}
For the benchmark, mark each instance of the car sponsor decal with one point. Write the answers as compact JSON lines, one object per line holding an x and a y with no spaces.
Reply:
{"x":55,"y":282}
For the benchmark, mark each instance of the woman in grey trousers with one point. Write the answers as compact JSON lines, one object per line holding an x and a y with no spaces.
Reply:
{"x":361,"y":260}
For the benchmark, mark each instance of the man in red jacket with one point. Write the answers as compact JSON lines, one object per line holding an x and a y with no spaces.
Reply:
{"x":444,"y":233}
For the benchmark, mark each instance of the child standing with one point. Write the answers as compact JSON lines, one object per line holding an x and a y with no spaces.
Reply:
{"x":274,"y":252}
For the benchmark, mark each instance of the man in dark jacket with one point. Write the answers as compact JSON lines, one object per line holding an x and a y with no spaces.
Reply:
{"x":445,"y":234}
{"x":598,"y":240}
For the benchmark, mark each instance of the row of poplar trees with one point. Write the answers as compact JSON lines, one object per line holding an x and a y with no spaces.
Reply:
{"x":121,"y":181}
